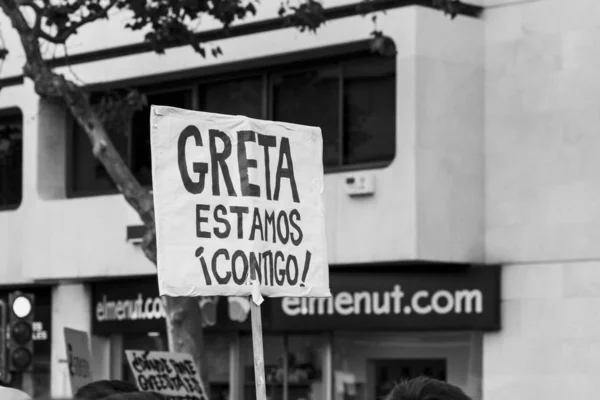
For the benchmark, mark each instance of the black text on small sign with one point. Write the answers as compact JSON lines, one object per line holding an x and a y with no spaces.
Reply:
{"x":172,"y":374}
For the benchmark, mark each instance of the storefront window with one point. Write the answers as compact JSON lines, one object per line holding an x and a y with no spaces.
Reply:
{"x":216,"y":349}
{"x":305,"y":357}
{"x":307,"y":367}
{"x":366,"y":366}
{"x":274,"y":357}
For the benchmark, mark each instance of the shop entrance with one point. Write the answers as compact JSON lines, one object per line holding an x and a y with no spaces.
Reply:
{"x":387,"y":372}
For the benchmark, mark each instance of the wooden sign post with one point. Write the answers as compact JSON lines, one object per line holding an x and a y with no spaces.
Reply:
{"x":258,"y":351}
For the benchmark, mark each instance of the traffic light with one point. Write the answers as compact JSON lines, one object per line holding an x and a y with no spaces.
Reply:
{"x":20,"y":332}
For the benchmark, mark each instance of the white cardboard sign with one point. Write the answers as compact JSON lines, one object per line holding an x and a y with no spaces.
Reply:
{"x":78,"y":358}
{"x":172,"y":374}
{"x":239,"y":206}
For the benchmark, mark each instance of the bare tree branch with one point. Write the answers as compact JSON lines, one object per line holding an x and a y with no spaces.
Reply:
{"x":50,"y":84}
{"x":64,"y":34}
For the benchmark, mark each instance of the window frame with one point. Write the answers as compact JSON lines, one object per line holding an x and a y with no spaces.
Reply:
{"x":266,"y":68}
{"x":11,"y":112}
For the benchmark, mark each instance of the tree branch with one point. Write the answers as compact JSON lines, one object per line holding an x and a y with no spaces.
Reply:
{"x":91,"y":17}
{"x":64,"y":33}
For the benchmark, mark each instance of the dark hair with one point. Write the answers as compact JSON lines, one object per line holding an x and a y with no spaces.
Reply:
{"x":136,"y":396}
{"x":423,"y":388}
{"x":101,"y":389}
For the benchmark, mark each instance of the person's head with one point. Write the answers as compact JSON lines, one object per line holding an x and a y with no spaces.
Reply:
{"x":101,"y":389}
{"x":136,"y":396}
{"x":423,"y":388}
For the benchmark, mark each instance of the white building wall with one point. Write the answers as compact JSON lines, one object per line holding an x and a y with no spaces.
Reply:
{"x":542,"y":211}
{"x":542,"y":141}
{"x":449,"y":137}
{"x":549,"y":346}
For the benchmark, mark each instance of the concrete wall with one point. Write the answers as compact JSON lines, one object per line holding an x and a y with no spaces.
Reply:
{"x":542,"y":211}
{"x":449,"y":137}
{"x":542,"y":141}
{"x":549,"y":346}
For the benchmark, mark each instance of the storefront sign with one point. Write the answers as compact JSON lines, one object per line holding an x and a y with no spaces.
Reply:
{"x":468,"y":300}
{"x":173,"y":375}
{"x":239,"y":206}
{"x":134,"y":306}
{"x":78,"y":357}
{"x":464,"y":299}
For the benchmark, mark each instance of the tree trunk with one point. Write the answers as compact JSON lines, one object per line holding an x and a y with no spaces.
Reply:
{"x":185,"y":331}
{"x":184,"y":320}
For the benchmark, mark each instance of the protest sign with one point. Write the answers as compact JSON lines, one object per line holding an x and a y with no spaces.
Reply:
{"x":173,"y":375}
{"x":239,"y":206}
{"x":78,"y":358}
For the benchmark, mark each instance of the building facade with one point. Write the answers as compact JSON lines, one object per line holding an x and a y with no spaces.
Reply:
{"x":475,"y":141}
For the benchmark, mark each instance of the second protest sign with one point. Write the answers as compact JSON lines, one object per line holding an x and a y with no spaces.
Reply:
{"x":78,"y":358}
{"x":173,"y":375}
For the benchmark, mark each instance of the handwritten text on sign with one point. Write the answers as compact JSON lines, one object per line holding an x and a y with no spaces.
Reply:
{"x":238,"y":205}
{"x":171,"y":374}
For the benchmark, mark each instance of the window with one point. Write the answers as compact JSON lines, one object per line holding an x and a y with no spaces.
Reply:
{"x":235,"y":97}
{"x":294,"y":367}
{"x":217,"y":359}
{"x":352,"y":100}
{"x":311,"y":97}
{"x":88,"y":176}
{"x":11,"y":159}
{"x":139,"y":153}
{"x":369,"y":111}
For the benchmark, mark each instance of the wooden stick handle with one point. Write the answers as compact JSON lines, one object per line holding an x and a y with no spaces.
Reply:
{"x":257,"y":349}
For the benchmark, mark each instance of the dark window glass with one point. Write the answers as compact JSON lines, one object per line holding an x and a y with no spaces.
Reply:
{"x":11,"y":160}
{"x":236,"y":97}
{"x":369,"y":110}
{"x":131,"y":138}
{"x":141,"y":164}
{"x":353,"y":101}
{"x":89,"y":176}
{"x":311,"y":98}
